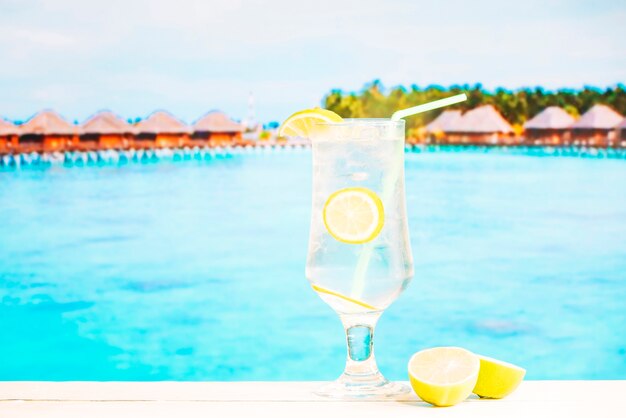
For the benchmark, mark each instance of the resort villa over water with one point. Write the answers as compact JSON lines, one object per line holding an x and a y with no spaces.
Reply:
{"x":482,"y":125}
{"x":600,"y":126}
{"x":217,"y":128}
{"x":549,"y":127}
{"x":47,"y":130}
{"x":597,"y":127}
{"x":161,"y":130}
{"x":106,"y":130}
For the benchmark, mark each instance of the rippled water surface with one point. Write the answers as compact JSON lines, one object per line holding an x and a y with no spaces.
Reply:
{"x":193,"y":270}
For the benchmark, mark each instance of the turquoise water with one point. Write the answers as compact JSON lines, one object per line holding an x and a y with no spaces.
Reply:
{"x":193,"y":270}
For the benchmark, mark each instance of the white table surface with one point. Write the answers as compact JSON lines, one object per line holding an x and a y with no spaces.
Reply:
{"x":592,"y":399}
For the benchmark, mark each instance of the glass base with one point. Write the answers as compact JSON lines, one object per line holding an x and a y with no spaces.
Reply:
{"x":351,"y":388}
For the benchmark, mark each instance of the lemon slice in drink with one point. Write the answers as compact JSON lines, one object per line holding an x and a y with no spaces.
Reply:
{"x":443,"y":376}
{"x":300,"y":123}
{"x":497,"y":378}
{"x":344,"y":298}
{"x":354,"y":215}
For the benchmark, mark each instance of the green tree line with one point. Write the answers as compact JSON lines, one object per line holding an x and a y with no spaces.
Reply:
{"x":517,"y":106}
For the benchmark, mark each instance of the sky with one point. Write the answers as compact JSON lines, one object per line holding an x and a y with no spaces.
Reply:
{"x":190,"y":57}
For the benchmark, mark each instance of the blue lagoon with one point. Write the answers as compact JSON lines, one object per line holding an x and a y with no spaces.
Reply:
{"x":193,"y":269}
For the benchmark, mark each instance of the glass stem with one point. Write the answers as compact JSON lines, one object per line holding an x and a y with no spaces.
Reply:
{"x":360,"y":362}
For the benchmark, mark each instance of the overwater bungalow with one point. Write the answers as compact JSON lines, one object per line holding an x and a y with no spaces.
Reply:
{"x":9,"y":134}
{"x":549,"y":127}
{"x":106,"y":130}
{"x":216,"y":128}
{"x":482,"y":125}
{"x":162,"y":130}
{"x":445,"y":122}
{"x":47,"y":131}
{"x":596,"y":127}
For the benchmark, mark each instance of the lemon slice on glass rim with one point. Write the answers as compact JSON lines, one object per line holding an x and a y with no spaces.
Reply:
{"x":354,"y":215}
{"x":301,"y":123}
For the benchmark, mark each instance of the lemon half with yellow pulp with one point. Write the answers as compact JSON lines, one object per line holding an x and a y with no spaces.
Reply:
{"x":497,"y":379}
{"x":354,"y":215}
{"x":301,"y":123}
{"x":444,"y":376}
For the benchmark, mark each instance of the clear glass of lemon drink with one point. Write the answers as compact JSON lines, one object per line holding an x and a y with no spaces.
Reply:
{"x":359,"y":255}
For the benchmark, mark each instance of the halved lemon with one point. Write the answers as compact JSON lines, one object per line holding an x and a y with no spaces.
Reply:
{"x":300,"y":123}
{"x":443,"y":376}
{"x":497,"y":378}
{"x":354,"y":215}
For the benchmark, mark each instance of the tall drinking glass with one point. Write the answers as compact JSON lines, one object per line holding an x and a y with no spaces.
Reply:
{"x":359,"y":257}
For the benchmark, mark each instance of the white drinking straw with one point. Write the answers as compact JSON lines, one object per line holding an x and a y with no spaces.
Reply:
{"x":358,"y":280}
{"x":429,"y":106}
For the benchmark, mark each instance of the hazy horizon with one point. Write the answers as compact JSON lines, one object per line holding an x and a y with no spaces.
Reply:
{"x":136,"y":118}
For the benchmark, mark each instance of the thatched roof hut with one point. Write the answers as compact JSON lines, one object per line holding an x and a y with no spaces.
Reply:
{"x":482,"y":120}
{"x":596,"y":127}
{"x":48,"y":122}
{"x":7,"y":128}
{"x":445,"y":122}
{"x":217,"y":128}
{"x":106,"y":123}
{"x":162,"y":122}
{"x":550,"y":118}
{"x":162,"y":129}
{"x":482,"y":125}
{"x":47,"y":131}
{"x":599,"y":117}
{"x":105,"y":129}
{"x":216,"y":122}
